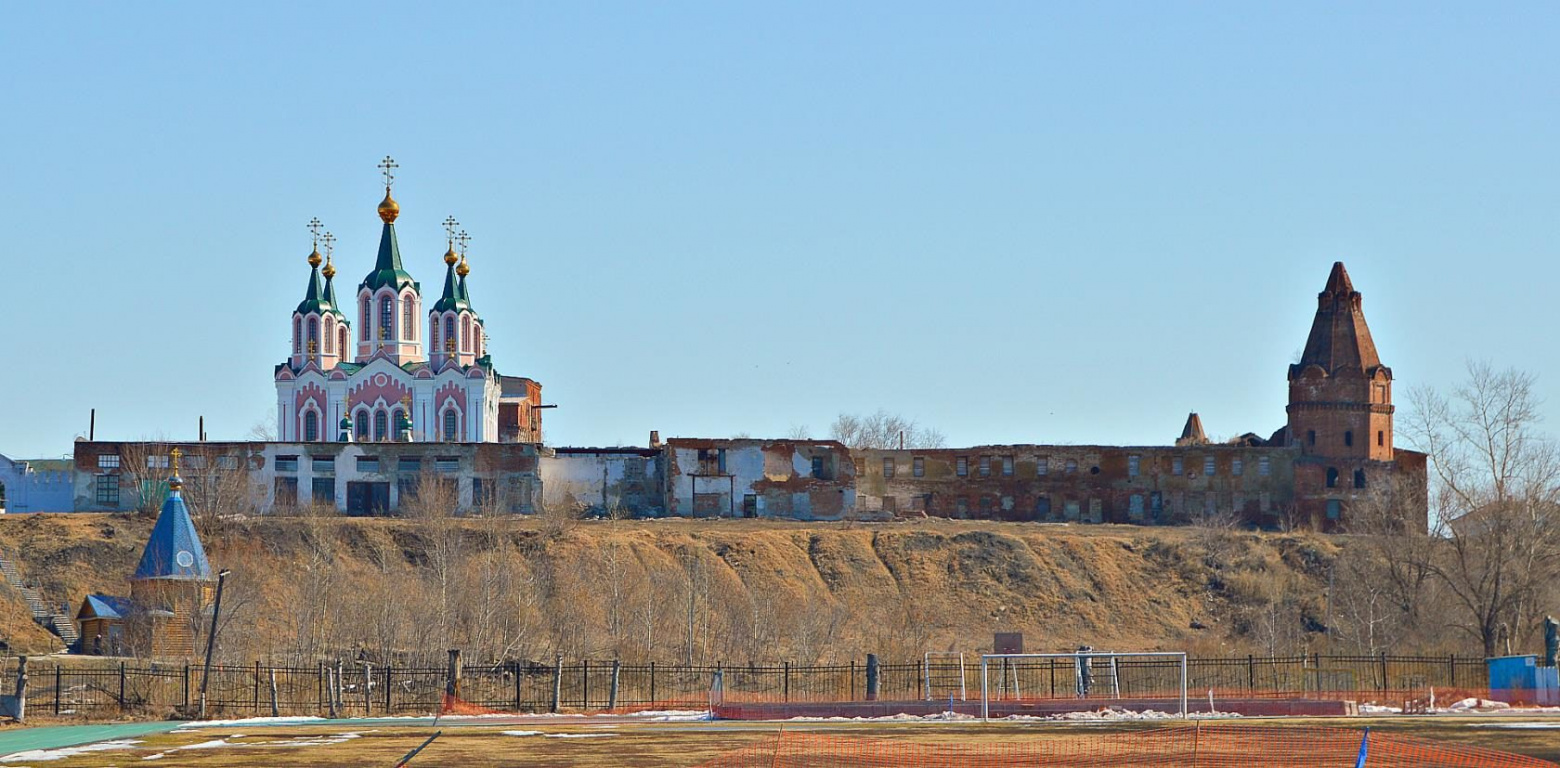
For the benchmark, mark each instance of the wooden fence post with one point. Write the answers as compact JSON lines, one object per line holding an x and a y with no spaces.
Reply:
{"x":330,"y":690}
{"x":557,"y":684}
{"x":452,"y":675}
{"x":21,"y":690}
{"x":612,"y":697}
{"x":275,"y":712}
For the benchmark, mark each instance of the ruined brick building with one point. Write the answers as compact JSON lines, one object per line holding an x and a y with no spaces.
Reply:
{"x":1335,"y":450}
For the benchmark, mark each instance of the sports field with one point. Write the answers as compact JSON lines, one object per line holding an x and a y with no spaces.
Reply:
{"x":602,"y":742}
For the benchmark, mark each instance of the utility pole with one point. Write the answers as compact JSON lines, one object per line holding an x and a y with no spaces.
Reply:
{"x":211,"y":640}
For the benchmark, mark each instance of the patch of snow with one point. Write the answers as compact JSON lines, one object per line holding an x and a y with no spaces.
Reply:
{"x":43,"y":755}
{"x":1377,"y":709}
{"x":521,"y":733}
{"x":158,"y":756}
{"x":251,"y":721}
{"x":1479,"y":704}
{"x":1536,"y":726}
{"x":578,"y":735}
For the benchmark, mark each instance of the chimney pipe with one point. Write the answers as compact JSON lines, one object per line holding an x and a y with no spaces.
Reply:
{"x":92,"y":427}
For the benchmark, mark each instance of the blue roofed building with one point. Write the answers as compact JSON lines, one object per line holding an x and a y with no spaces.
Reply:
{"x":170,"y":591}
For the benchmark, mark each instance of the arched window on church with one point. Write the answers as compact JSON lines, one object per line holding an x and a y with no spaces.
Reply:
{"x":311,"y":426}
{"x":330,"y":334}
{"x":395,"y":422}
{"x":465,"y":334}
{"x":433,"y":337}
{"x":314,"y":333}
{"x":382,"y":426}
{"x":360,"y":425}
{"x":451,"y":425}
{"x":449,"y":330}
{"x":476,"y":340}
{"x":297,"y":335}
{"x":408,"y":322}
{"x":363,"y":302}
{"x":342,"y":333}
{"x":386,"y":318}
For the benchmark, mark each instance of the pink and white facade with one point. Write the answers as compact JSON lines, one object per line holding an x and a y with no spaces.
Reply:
{"x":401,"y":374}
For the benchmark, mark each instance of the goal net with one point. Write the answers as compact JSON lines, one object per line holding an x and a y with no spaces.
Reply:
{"x":943,"y":674}
{"x":1154,"y":680}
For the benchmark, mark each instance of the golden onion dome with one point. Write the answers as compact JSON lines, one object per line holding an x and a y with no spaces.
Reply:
{"x":389,"y":208}
{"x":463,"y":270}
{"x":449,"y":255}
{"x":329,"y":271}
{"x":314,"y":258}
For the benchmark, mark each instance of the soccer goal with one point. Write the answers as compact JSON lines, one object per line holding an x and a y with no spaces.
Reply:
{"x":943,"y":673}
{"x":1082,"y":675}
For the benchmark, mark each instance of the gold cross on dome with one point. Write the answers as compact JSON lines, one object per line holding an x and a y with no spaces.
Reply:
{"x":388,"y":166}
{"x":449,"y":227}
{"x":463,"y":239}
{"x":175,"y":454}
{"x":330,"y":242}
{"x":314,"y":229}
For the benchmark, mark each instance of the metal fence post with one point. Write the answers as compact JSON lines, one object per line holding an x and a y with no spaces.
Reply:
{"x":389,"y":688}
{"x":585,"y":684}
{"x":786,"y":681}
{"x":1251,"y":672}
{"x":1383,"y":670}
{"x":121,"y":686}
{"x":652,"y":682}
{"x":186,"y":687}
{"x":58,"y":682}
{"x":852,"y":680}
{"x":557,"y":692}
{"x":1451,"y":661}
{"x":257,"y":686}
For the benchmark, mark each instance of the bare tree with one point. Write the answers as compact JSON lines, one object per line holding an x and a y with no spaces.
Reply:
{"x":799,"y":432}
{"x":884,"y":430}
{"x":1494,"y":482}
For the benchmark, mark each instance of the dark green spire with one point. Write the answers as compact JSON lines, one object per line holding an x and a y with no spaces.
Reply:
{"x":450,"y":300}
{"x":387,"y":267}
{"x":314,"y":298}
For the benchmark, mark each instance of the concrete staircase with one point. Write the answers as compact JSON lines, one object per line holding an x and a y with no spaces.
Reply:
{"x":55,"y":619}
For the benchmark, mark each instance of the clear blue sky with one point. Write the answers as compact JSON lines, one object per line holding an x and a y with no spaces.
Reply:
{"x":1068,"y":222}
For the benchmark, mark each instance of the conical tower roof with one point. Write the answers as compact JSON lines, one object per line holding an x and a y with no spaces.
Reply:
{"x":450,"y":299}
{"x":1339,"y":336}
{"x":173,"y":551}
{"x":1192,"y":433}
{"x":314,"y":296}
{"x":387,"y":266}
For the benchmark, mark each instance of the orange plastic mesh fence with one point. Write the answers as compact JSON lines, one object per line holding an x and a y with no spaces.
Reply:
{"x":451,"y":705}
{"x":1225,"y":746}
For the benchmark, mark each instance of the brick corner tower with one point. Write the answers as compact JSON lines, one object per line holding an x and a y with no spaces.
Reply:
{"x":1340,"y":395}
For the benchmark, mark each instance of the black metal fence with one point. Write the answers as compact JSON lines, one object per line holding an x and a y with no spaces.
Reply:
{"x":95,"y":688}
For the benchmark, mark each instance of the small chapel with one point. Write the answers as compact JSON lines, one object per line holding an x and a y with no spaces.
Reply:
{"x":171,"y":591}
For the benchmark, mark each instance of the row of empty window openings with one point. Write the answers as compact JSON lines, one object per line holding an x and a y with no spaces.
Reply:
{"x":1348,"y":438}
{"x":162,"y":461}
{"x":369,"y":464}
{"x":1005,"y":465}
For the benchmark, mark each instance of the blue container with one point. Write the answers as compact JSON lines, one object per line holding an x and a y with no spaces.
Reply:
{"x":1514,"y":679}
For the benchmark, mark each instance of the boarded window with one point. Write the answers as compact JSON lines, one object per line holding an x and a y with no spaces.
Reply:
{"x":1132,"y":467}
{"x":323,"y":463}
{"x":1264,"y":466}
{"x":368,"y":463}
{"x":1042,"y":507}
{"x":918,"y":466}
{"x":962,"y":466}
{"x":1334,"y":509}
{"x":286,"y":492}
{"x":1007,"y":466}
{"x":888,"y":466}
{"x":890,"y":504}
{"x":1072,"y":466}
{"x":286,"y":463}
{"x":1209,"y":464}
{"x":1042,"y":466}
{"x":1237,"y":467}
{"x":1176,"y":466}
{"x":985,"y":466}
{"x":1135,"y":506}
